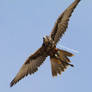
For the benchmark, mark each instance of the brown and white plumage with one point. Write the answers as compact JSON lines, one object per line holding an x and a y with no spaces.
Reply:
{"x":59,"y":58}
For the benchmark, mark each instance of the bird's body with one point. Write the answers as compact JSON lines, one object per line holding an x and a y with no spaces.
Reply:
{"x":59,"y":58}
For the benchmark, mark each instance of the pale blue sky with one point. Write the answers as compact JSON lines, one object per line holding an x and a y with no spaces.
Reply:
{"x":23,"y":23}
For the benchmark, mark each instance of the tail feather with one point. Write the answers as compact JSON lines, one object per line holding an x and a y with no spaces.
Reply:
{"x":66,"y":53}
{"x":61,"y":63}
{"x":57,"y":66}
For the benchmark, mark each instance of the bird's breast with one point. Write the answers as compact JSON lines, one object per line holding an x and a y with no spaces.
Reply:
{"x":51,"y":52}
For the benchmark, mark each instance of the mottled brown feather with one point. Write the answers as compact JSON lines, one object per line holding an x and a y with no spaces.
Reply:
{"x":31,"y":65}
{"x":57,"y":67}
{"x":35,"y":60}
{"x":59,"y":63}
{"x":62,"y":22}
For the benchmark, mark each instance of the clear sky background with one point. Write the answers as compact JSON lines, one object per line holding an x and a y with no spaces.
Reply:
{"x":23,"y":23}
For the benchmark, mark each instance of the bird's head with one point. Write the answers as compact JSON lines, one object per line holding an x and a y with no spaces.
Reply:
{"x":45,"y":39}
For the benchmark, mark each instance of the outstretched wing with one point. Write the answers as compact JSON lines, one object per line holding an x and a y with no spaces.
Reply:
{"x":62,"y":22}
{"x":31,"y":65}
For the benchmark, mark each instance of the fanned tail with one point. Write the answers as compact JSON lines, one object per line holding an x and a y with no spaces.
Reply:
{"x":60,"y":63}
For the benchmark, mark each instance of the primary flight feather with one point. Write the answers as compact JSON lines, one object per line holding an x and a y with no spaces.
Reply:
{"x":59,"y":58}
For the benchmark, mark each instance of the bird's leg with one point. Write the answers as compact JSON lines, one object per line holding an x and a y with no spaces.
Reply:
{"x":57,"y":57}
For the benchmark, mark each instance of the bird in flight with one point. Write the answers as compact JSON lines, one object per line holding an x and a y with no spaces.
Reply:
{"x":59,"y":58}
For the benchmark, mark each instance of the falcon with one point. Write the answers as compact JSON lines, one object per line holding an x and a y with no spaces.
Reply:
{"x":59,"y":58}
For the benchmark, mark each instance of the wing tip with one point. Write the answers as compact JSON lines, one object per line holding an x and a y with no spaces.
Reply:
{"x":12,"y":83}
{"x":78,"y":0}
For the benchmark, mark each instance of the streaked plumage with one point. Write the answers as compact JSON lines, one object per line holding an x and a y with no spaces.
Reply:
{"x":59,"y":58}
